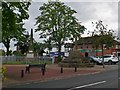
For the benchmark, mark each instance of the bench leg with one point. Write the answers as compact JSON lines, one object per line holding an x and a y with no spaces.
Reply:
{"x":43,"y":71}
{"x":27,"y":69}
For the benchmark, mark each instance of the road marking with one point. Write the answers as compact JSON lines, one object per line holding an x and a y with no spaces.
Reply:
{"x":88,"y":85}
{"x":119,"y":78}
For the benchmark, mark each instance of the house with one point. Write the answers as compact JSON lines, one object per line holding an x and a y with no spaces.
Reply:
{"x":87,"y":45}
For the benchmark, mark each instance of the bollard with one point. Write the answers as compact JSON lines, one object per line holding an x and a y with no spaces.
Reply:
{"x":75,"y":69}
{"x":43,"y":71}
{"x":22,"y":73}
{"x":44,"y":67}
{"x":61,"y":69}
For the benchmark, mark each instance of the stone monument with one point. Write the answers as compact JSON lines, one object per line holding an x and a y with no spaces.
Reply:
{"x":30,"y":53}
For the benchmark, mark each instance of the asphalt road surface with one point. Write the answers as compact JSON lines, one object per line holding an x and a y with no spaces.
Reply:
{"x":106,"y":79}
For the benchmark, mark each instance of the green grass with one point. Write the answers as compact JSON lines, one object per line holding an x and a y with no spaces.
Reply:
{"x":24,"y":62}
{"x":0,"y":53}
{"x":16,"y":63}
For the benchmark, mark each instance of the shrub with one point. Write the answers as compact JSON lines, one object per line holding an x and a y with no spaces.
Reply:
{"x":3,"y":70}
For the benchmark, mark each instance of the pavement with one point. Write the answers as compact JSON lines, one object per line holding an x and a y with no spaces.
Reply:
{"x":53,"y":72}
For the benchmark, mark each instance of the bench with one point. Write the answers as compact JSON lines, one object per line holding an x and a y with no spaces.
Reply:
{"x":42,"y":66}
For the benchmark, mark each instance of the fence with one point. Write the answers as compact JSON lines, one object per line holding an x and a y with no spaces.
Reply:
{"x":24,"y":59}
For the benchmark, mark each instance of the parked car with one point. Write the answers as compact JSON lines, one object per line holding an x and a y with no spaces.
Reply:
{"x":96,"y":60}
{"x":93,"y":59}
{"x":110,"y":59}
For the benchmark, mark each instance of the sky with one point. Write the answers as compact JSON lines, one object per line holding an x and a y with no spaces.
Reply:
{"x":88,"y":11}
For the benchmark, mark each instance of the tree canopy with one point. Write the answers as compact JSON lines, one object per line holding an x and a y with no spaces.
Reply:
{"x":58,"y":22}
{"x":105,"y":34}
{"x":13,"y":14}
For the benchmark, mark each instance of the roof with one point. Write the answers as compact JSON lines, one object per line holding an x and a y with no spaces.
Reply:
{"x":87,"y":40}
{"x":90,"y":40}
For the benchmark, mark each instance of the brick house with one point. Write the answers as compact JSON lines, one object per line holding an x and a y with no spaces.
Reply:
{"x":85,"y":45}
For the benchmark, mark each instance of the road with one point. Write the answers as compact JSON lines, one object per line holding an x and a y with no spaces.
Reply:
{"x":106,"y":79}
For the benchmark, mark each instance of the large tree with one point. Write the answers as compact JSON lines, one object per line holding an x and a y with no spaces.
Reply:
{"x":38,"y":47}
{"x":48,"y":44}
{"x":23,"y":43}
{"x":13,"y":14}
{"x":106,"y":37}
{"x":57,"y":21}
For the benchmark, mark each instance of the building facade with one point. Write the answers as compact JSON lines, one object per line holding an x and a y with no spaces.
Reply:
{"x":86,"y":45}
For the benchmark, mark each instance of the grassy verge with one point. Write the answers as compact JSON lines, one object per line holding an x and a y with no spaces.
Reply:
{"x":24,"y":62}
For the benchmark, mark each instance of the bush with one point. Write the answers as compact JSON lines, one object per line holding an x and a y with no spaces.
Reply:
{"x":3,"y":70}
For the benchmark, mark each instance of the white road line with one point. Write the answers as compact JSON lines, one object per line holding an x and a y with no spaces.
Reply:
{"x":88,"y":85}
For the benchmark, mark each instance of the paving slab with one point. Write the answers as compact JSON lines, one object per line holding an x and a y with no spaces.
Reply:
{"x":53,"y":71}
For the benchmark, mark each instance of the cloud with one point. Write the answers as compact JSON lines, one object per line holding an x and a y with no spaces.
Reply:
{"x":87,"y":12}
{"x":33,"y":13}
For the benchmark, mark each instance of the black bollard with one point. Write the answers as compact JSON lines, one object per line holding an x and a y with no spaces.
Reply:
{"x":44,"y":67}
{"x":22,"y":73}
{"x":75,"y":69}
{"x":43,"y":71}
{"x":61,"y":69}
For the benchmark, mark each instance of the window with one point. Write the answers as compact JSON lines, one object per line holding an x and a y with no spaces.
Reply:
{"x":106,"y":56}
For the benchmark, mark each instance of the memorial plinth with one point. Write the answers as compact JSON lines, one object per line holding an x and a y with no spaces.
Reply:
{"x":30,"y":54}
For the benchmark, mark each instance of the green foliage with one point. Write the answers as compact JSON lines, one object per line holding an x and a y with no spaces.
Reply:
{"x":30,"y":62}
{"x":48,"y":44}
{"x":103,"y":36}
{"x":15,"y":63}
{"x":3,"y":70}
{"x":58,"y":23}
{"x":2,"y":52}
{"x":17,"y":53}
{"x":38,"y":47}
{"x":75,"y":59}
{"x":23,"y":43}
{"x":13,"y":14}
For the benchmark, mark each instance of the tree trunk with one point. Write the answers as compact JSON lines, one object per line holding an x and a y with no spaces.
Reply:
{"x":75,"y":42}
{"x":59,"y":53}
{"x":7,"y":45}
